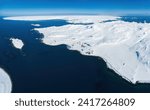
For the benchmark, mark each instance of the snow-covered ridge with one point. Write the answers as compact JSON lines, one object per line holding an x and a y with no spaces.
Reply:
{"x":125,"y":46}
{"x":5,"y":82}
{"x":17,"y":43}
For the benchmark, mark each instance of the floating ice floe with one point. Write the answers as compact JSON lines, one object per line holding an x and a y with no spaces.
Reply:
{"x":36,"y":25}
{"x":125,"y":46}
{"x":17,"y":43}
{"x":5,"y":82}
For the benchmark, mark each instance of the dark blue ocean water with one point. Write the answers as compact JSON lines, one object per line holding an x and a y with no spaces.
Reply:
{"x":40,"y":68}
{"x":139,"y":19}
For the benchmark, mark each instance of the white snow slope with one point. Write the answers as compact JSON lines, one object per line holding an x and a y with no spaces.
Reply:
{"x":17,"y":43}
{"x":5,"y":82}
{"x":125,"y":46}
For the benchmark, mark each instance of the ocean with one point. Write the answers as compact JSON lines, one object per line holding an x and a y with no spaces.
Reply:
{"x":40,"y":68}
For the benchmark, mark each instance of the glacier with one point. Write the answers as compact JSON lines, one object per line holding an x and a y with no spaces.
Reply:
{"x":17,"y":43}
{"x":125,"y":46}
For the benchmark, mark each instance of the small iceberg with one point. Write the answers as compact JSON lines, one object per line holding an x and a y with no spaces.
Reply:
{"x":36,"y":25}
{"x":17,"y":43}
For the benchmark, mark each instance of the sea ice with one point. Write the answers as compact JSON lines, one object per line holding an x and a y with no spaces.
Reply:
{"x":71,"y":19}
{"x":36,"y":25}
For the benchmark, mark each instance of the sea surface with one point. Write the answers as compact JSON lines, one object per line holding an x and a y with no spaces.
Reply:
{"x":41,"y":68}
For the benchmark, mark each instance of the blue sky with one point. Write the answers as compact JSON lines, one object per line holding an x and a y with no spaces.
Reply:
{"x":74,"y":6}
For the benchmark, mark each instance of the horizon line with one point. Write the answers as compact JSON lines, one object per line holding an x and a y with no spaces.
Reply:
{"x":74,"y":12}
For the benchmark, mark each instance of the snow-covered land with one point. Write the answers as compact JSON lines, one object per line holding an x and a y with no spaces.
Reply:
{"x":125,"y":46}
{"x":5,"y":82}
{"x":71,"y":19}
{"x":17,"y":43}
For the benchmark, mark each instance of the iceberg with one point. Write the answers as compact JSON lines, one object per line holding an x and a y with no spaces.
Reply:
{"x":17,"y":43}
{"x":125,"y":46}
{"x":5,"y":82}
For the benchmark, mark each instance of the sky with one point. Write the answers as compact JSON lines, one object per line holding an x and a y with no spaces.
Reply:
{"x":23,"y":7}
